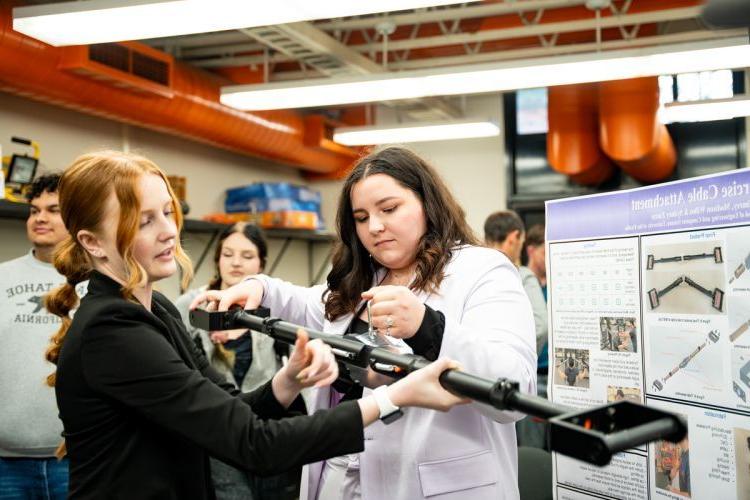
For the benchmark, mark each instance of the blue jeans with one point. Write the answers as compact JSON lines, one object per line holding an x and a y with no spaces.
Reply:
{"x":33,"y":479}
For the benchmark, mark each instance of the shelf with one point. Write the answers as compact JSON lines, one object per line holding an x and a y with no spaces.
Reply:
{"x":20,"y":211}
{"x":11,"y":210}
{"x":201,"y":226}
{"x":288,"y":235}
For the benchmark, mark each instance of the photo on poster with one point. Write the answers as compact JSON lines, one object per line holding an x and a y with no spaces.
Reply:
{"x":616,"y":393}
{"x":618,"y":334}
{"x":741,"y":376}
{"x":739,"y":341}
{"x":738,"y":257}
{"x":738,"y":314}
{"x":684,"y":361}
{"x":742,"y":459}
{"x":684,"y":278}
{"x":572,"y":367}
{"x":672,"y":466}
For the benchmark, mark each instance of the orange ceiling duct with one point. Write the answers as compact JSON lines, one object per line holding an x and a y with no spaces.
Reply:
{"x":32,"y":69}
{"x":631,"y":133}
{"x":573,"y":134}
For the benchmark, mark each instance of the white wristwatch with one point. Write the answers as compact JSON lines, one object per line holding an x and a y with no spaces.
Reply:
{"x":388,"y":411}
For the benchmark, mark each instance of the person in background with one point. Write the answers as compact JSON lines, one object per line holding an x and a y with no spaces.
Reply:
{"x":29,"y":426}
{"x":536,"y":255}
{"x":536,"y":258}
{"x":247,"y":359}
{"x":405,"y":247}
{"x":504,"y":231}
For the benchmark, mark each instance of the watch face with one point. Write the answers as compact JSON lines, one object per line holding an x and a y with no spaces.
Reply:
{"x":392,"y":417}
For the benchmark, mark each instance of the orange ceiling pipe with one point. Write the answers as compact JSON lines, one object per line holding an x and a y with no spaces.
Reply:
{"x":573,"y":135}
{"x":30,"y":69}
{"x":630,"y":132}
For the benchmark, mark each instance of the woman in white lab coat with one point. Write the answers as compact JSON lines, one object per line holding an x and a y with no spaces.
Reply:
{"x":405,"y":246}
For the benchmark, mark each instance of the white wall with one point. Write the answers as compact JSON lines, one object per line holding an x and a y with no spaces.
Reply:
{"x":474,"y":169}
{"x":64,"y":134}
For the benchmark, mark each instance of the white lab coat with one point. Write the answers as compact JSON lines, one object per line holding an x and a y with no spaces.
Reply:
{"x":470,"y":451}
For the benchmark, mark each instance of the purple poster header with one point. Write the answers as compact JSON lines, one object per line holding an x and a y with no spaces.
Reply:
{"x":697,"y":203}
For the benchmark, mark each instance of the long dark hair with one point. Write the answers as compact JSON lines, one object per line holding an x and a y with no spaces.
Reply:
{"x":352,"y":268}
{"x":249,"y":231}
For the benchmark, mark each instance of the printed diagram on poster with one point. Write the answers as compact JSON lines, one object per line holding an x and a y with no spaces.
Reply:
{"x":684,"y":360}
{"x":685,"y":278}
{"x":742,"y":267}
{"x":651,"y":303}
{"x":739,"y":340}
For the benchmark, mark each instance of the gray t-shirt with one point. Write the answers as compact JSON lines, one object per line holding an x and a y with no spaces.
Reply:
{"x":538,"y":305}
{"x":29,"y":423}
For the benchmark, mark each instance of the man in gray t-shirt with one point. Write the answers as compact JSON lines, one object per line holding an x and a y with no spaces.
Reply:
{"x":30,"y":429}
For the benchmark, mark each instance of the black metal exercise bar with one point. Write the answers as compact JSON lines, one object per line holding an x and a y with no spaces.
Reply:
{"x":716,"y":255}
{"x":716,"y":296}
{"x":592,"y":435}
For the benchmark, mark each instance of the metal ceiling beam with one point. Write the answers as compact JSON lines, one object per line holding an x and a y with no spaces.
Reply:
{"x":231,"y":48}
{"x":481,"y":36}
{"x":529,"y":53}
{"x":320,"y":42}
{"x":221,"y":38}
{"x":565,"y":49}
{"x":539,"y":29}
{"x":316,"y":49}
{"x":449,"y":14}
{"x":219,"y":62}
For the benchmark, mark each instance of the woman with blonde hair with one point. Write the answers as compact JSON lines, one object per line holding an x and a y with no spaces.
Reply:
{"x":245,"y":358}
{"x":141,"y":408}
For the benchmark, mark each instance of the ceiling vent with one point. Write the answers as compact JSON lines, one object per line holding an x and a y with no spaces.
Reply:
{"x":127,"y":65}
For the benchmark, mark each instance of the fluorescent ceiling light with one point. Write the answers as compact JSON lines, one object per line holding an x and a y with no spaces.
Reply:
{"x":708,"y":110}
{"x":494,"y":77}
{"x":415,"y":132}
{"x":100,"y":21}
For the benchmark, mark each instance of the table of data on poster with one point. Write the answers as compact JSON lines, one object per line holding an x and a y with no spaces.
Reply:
{"x":649,"y":300}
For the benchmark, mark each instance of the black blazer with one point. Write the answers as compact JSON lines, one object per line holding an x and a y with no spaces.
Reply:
{"x":142,"y":409}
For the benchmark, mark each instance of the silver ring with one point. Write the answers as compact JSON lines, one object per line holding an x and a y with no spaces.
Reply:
{"x":389,"y":322}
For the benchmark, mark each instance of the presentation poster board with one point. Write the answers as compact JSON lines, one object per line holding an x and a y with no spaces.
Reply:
{"x":649,"y":300}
